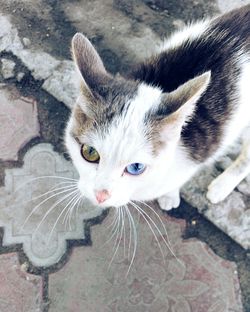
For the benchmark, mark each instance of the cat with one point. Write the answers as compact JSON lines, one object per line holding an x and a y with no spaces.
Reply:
{"x":141,"y":138}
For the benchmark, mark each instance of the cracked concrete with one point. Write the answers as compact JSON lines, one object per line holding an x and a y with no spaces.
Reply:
{"x":58,"y":76}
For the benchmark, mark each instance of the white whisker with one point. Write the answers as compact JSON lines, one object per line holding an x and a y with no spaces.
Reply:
{"x":163,"y":225}
{"x":117,"y":245}
{"x":43,"y":177}
{"x":53,"y":190}
{"x":118,"y":228}
{"x":115,"y":227}
{"x":42,"y":202}
{"x":130,"y":231}
{"x":124,"y":231}
{"x":158,"y":230}
{"x":135,"y":239}
{"x":113,"y":220}
{"x":65,"y":218}
{"x":71,"y":211}
{"x":143,"y":213}
{"x":61,"y":213}
{"x":78,"y":205}
{"x":51,"y":208}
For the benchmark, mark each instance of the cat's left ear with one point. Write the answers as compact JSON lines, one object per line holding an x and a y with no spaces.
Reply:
{"x":88,"y":62}
{"x":177,"y":107}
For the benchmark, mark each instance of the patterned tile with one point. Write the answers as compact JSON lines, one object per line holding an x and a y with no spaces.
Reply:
{"x":43,"y":232}
{"x":18,"y":121}
{"x":19,"y":291}
{"x":197,"y":281}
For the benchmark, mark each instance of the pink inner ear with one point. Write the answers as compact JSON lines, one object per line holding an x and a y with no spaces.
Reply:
{"x":186,"y":97}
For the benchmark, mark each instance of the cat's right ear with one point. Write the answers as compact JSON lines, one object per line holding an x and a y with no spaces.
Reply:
{"x":90,"y":66}
{"x":178,"y":107}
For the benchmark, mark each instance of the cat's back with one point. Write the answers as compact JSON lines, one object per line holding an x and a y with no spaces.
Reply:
{"x":214,"y":45}
{"x":235,"y":24}
{"x":221,"y":46}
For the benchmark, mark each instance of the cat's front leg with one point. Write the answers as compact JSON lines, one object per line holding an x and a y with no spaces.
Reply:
{"x":225,"y":183}
{"x":170,"y":200}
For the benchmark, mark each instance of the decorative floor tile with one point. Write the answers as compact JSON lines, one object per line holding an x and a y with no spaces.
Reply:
{"x":19,"y":291}
{"x":18,"y":121}
{"x":197,"y":281}
{"x":44,"y":231}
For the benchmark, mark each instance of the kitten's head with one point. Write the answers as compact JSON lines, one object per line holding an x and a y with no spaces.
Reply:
{"x":122,"y":135}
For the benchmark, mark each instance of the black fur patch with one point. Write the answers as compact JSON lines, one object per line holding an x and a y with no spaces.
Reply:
{"x":112,"y":99}
{"x":217,"y":49}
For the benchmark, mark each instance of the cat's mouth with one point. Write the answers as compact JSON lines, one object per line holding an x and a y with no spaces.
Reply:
{"x":111,"y":204}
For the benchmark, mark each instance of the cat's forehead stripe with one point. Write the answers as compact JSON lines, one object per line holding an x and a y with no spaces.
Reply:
{"x":126,"y":133}
{"x":114,"y":100}
{"x":131,"y":120}
{"x":125,"y":99}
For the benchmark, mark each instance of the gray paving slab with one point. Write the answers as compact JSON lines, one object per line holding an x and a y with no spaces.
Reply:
{"x":232,"y":215}
{"x":198,"y":281}
{"x":18,"y":121}
{"x":29,"y":218}
{"x":19,"y":290}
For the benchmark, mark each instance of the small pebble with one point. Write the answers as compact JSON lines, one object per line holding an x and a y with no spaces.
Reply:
{"x":193,"y":222}
{"x":26,"y":42}
{"x":7,"y":68}
{"x":20,"y":76}
{"x":24,"y":267}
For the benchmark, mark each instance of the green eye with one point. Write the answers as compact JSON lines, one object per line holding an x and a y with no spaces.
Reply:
{"x":89,"y":153}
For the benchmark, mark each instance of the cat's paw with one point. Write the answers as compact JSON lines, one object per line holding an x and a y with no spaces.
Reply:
{"x":218,"y":190}
{"x":167,"y":202}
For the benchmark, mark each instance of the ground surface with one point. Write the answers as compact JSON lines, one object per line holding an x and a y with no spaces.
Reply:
{"x":47,"y":265}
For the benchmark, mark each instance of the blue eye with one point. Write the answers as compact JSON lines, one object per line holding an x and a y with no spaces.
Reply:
{"x":135,"y":169}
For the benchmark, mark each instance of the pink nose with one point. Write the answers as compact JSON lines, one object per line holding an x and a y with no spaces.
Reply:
{"x":102,"y":195}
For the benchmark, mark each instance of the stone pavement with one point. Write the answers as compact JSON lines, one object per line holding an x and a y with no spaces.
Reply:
{"x":196,"y":280}
{"x":54,"y":258}
{"x":19,"y":291}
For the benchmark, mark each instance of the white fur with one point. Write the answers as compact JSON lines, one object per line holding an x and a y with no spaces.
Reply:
{"x":224,"y":184}
{"x":189,"y":33}
{"x":169,"y":201}
{"x":125,"y":143}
